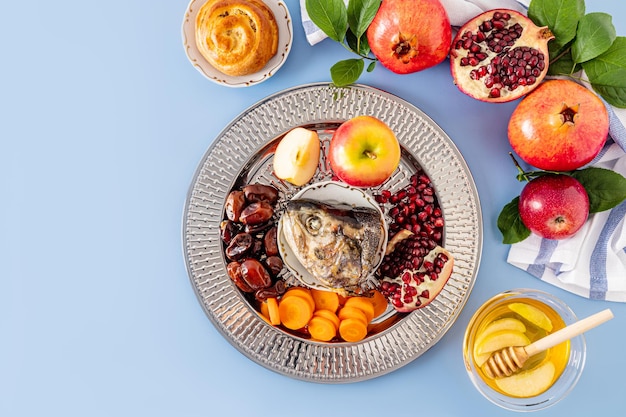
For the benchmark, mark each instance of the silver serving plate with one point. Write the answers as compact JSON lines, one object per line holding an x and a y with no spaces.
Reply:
{"x":242,"y":154}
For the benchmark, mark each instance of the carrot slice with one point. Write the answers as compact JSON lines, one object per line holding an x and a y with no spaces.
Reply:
{"x":352,"y":330}
{"x":295,"y":312}
{"x":325,"y":300}
{"x":363,"y":304}
{"x":380,"y":303}
{"x":352,"y":313}
{"x":272,"y":311}
{"x":267,"y":320}
{"x":264,"y":309}
{"x":301,"y":292}
{"x":322,"y":329}
{"x":328,"y":315}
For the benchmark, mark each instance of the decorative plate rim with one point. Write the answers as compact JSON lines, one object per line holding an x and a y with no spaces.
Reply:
{"x":285,"y":40}
{"x":238,"y":321}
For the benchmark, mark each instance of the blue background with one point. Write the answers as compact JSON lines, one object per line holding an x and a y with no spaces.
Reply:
{"x":103,"y":121}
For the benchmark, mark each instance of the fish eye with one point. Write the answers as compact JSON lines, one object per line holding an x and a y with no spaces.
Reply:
{"x":313,"y":224}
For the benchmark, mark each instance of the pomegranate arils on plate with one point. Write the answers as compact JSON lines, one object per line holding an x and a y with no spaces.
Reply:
{"x":415,"y":267}
{"x":415,"y":208}
{"x":499,"y":56}
{"x":407,"y":254}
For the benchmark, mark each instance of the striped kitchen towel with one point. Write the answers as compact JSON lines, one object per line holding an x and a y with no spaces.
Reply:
{"x":591,"y":263}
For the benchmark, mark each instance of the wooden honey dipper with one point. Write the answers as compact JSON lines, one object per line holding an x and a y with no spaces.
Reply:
{"x":510,"y":359}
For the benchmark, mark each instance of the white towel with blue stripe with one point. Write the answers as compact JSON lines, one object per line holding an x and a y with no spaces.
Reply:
{"x":592,"y":263}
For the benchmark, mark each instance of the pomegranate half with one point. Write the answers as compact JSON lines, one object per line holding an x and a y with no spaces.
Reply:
{"x":499,"y":56}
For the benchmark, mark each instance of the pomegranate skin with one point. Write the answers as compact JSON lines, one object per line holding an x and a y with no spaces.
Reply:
{"x":499,"y":56}
{"x":554,"y":206}
{"x":560,"y":126}
{"x":407,"y":36}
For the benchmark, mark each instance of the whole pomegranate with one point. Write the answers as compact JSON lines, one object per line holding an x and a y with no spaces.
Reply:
{"x":560,"y":126}
{"x":499,"y":56}
{"x":410,"y":35}
{"x":554,"y":206}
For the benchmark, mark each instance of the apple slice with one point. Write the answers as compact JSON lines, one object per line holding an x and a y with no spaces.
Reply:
{"x":507,"y":323}
{"x":533,"y":315}
{"x":297,"y":156}
{"x":496,"y":341}
{"x":528,"y":383}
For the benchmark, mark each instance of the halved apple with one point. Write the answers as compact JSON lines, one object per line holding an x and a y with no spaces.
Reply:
{"x":528,"y":383}
{"x":297,"y":156}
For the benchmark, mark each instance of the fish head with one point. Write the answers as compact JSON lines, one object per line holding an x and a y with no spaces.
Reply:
{"x":333,"y":241}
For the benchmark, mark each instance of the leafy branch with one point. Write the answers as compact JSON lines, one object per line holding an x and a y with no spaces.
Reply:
{"x":584,"y":42}
{"x":348,"y":26}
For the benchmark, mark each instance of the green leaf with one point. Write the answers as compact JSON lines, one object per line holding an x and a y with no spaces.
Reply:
{"x":347,"y":71}
{"x":605,"y":188}
{"x":362,"y":47}
{"x":607,"y":73}
{"x":330,"y":16}
{"x":564,"y":65}
{"x":360,"y":15}
{"x":561,"y":16}
{"x":594,"y":36}
{"x":371,"y":66}
{"x":510,"y":223}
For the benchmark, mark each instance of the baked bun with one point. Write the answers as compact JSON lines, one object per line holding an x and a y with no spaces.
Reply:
{"x":237,"y":37}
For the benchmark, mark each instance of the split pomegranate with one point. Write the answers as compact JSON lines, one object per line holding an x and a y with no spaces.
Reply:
{"x":414,"y":282}
{"x":499,"y":56}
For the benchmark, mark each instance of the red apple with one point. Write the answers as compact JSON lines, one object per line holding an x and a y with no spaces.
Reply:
{"x":410,"y":35}
{"x":554,"y":206}
{"x":560,"y":126}
{"x":364,"y":152}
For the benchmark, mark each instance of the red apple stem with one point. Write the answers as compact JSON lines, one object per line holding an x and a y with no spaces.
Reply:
{"x":370,"y":155}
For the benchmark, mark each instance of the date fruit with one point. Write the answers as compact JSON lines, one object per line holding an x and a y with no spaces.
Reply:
{"x":274,"y":264}
{"x":255,"y":193}
{"x":240,"y":246}
{"x":228,"y":230}
{"x":234,"y":273}
{"x":270,"y":241}
{"x":235,"y":202}
{"x":255,"y":274}
{"x":256,"y":213}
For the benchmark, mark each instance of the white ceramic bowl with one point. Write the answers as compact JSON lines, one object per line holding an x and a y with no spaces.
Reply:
{"x":285,"y":39}
{"x":329,"y":192}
